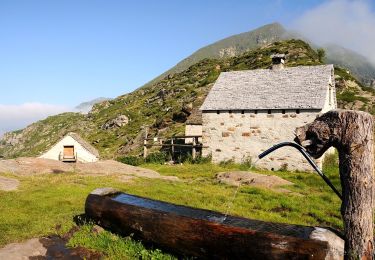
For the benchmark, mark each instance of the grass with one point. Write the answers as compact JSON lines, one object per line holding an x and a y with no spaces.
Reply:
{"x":115,"y":246}
{"x":46,"y":201}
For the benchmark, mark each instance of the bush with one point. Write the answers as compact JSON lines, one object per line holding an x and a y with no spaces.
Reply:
{"x":331,"y":160}
{"x":157,"y":157}
{"x":131,"y":160}
{"x":246,"y":163}
{"x":198,"y":160}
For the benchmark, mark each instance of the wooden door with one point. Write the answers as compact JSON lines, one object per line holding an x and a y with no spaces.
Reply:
{"x":68,"y":151}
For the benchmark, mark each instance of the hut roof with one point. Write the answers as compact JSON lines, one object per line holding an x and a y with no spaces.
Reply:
{"x":303,"y":87}
{"x":84,"y":143}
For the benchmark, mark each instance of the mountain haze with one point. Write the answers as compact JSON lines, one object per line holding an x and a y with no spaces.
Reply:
{"x":85,"y":107}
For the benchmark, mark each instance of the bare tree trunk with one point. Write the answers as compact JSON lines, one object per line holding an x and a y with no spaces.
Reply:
{"x":351,"y":133}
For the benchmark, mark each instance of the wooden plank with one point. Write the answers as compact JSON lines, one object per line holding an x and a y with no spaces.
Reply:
{"x":202,"y":233}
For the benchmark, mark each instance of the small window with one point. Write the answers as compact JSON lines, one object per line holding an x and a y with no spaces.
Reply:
{"x":269,"y":111}
{"x":297,"y":111}
{"x":217,"y":112}
{"x":230,"y":111}
{"x":255,"y":111}
{"x":283,"y":111}
{"x":242,"y":111}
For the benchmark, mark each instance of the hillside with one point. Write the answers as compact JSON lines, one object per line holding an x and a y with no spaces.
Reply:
{"x":238,"y":44}
{"x":117,"y":126}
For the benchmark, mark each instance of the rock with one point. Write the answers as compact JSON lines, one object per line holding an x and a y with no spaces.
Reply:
{"x":187,"y":108}
{"x":8,"y":184}
{"x":97,"y":229}
{"x":27,"y":166}
{"x":335,"y":243}
{"x":117,"y":122}
{"x":237,"y":178}
{"x":51,"y":247}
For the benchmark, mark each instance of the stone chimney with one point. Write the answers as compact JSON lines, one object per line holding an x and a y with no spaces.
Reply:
{"x":278,"y":61}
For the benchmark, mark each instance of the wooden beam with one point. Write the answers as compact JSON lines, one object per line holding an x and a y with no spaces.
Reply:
{"x":207,"y":234}
{"x":351,"y":133}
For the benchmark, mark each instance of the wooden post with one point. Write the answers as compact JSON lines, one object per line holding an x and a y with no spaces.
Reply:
{"x":145,"y":148}
{"x":194,"y":153}
{"x":172,"y":147}
{"x":351,"y":133}
{"x":145,"y":143}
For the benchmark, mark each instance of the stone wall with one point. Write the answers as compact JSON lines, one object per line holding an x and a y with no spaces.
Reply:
{"x":82,"y":154}
{"x":240,"y":135}
{"x":191,"y":129}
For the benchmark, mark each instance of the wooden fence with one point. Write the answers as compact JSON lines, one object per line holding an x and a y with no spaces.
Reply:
{"x":172,"y":143}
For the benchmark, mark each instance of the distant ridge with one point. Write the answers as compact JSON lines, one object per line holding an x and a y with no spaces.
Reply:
{"x":265,"y":35}
{"x":85,"y":107}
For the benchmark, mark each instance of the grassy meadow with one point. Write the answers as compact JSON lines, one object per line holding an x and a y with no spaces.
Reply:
{"x":46,"y":204}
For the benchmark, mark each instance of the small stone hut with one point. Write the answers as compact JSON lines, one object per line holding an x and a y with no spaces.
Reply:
{"x":72,"y":148}
{"x":246,"y":112}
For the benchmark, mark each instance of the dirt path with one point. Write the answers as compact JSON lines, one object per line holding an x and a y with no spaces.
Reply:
{"x":31,"y":166}
{"x":8,"y":184}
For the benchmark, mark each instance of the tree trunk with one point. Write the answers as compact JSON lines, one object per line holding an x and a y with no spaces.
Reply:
{"x":351,"y":133}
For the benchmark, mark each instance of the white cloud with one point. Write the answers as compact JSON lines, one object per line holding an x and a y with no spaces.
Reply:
{"x":13,"y":117}
{"x":348,"y":23}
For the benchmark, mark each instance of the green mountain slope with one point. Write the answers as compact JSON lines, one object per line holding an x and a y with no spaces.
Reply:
{"x":240,"y":43}
{"x":229,"y":47}
{"x":116,"y":127}
{"x":356,"y":63}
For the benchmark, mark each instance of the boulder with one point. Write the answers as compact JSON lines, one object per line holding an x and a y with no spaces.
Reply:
{"x":117,"y":122}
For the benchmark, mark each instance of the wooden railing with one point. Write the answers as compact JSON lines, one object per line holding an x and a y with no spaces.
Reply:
{"x":172,"y":144}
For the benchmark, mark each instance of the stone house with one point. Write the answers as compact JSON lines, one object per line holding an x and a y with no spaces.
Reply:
{"x":72,"y":148}
{"x":247,"y":112}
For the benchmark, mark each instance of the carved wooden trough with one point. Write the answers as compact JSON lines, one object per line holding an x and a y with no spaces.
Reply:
{"x":208,"y":234}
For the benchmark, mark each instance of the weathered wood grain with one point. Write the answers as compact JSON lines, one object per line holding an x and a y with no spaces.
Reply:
{"x":351,"y":133}
{"x":203,"y":233}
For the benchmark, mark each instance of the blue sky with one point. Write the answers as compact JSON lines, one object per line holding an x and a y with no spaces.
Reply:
{"x":64,"y":52}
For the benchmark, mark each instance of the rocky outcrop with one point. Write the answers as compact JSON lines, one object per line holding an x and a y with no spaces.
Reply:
{"x":117,"y":122}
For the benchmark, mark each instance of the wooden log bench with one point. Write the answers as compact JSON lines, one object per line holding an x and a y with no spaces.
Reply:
{"x":208,"y":234}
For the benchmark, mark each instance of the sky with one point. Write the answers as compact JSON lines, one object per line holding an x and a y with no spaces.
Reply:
{"x":56,"y":54}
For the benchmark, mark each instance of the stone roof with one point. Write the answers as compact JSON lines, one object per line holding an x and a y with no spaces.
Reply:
{"x":195,"y":117}
{"x":84,"y":144}
{"x":303,"y":87}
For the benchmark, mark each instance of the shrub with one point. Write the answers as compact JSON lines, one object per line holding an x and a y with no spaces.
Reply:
{"x":331,"y":160}
{"x":284,"y":167}
{"x":157,"y":157}
{"x":246,"y":163}
{"x":198,"y":160}
{"x":226,"y":163}
{"x":131,"y":160}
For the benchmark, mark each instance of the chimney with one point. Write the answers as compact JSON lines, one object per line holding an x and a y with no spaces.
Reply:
{"x":278,"y":61}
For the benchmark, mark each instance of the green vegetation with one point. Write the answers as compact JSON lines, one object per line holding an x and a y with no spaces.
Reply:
{"x":114,"y":246}
{"x":32,"y":210}
{"x":350,"y":96}
{"x":160,"y":107}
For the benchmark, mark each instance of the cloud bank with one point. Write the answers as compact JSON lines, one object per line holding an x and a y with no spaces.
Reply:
{"x":348,"y":23}
{"x":13,"y":117}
